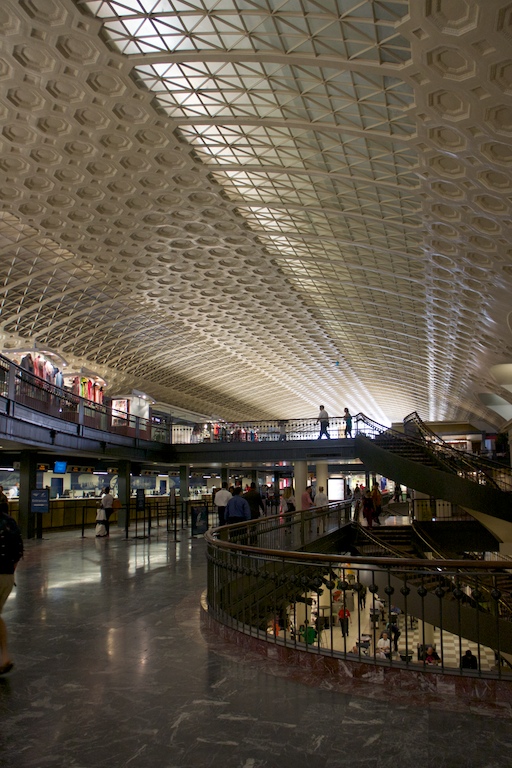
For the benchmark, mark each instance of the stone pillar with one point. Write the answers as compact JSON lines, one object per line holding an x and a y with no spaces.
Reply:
{"x":124,"y":492}
{"x":277,"y":477}
{"x":224,"y":475}
{"x":184,"y":487}
{"x":28,"y":476}
{"x":322,"y":474}
{"x":300,"y":479}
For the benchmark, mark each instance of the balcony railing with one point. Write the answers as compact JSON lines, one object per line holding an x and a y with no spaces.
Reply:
{"x":259,"y":584}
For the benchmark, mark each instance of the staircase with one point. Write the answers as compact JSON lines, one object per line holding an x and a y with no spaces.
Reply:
{"x":400,"y":539}
{"x":431,"y":467}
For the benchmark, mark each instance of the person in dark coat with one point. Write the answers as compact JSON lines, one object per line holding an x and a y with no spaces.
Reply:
{"x":11,"y":552}
{"x":469,"y":661}
{"x":253,"y":498}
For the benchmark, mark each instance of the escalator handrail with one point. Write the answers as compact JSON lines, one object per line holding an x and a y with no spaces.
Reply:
{"x":443,"y":459}
{"x":474,"y":462}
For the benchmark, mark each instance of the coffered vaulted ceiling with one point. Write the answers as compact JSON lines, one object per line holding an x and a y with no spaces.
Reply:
{"x":248,"y":207}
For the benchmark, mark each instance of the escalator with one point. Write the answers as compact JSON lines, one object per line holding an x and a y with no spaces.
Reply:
{"x":427,"y":464}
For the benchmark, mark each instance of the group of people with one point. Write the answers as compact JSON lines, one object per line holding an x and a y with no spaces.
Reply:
{"x":233,"y":506}
{"x":236,"y":506}
{"x":323,"y":420}
{"x":369,"y":502}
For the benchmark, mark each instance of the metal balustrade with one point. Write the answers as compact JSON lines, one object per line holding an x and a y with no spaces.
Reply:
{"x":262,"y":583}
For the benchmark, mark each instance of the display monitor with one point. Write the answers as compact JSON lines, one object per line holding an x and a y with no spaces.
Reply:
{"x":59,"y":467}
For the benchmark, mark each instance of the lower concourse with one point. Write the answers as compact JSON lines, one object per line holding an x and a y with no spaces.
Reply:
{"x":112,"y":669}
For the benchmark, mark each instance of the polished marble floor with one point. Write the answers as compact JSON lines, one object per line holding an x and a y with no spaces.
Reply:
{"x":112,"y":670}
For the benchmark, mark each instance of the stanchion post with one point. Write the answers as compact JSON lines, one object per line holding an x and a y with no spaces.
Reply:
{"x":83,"y":521}
{"x":127,"y":520}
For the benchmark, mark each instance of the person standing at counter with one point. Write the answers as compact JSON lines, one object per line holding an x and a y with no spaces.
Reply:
{"x":107,"y":501}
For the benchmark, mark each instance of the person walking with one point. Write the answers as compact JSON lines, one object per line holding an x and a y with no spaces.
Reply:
{"x":11,"y":552}
{"x":253,"y":498}
{"x":368,"y":509}
{"x":323,"y":418}
{"x":107,"y":501}
{"x":348,"y":423}
{"x":377,"y":503}
{"x":237,"y":508}
{"x":344,"y":619}
{"x":221,"y":499}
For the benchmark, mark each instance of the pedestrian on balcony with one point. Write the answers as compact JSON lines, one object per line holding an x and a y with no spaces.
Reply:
{"x":348,"y":423}
{"x":323,"y":418}
{"x":368,"y":509}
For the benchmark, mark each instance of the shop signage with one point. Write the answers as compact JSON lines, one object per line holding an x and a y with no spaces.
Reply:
{"x":85,"y":470}
{"x":40,"y":501}
{"x":150,"y":472}
{"x":112,"y":470}
{"x":43,"y":467}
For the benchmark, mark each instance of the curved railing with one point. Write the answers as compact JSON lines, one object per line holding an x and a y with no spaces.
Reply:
{"x":261,"y":584}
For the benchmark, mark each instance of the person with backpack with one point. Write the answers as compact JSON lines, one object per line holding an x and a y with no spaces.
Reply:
{"x":11,"y":552}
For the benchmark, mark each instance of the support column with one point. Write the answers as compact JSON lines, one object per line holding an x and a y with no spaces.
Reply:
{"x":184,"y":486}
{"x":322,"y":473}
{"x":28,"y":475}
{"x":224,"y":475}
{"x":254,"y":476}
{"x":425,"y":631}
{"x":277,"y":477}
{"x":300,"y":477}
{"x":124,"y":491}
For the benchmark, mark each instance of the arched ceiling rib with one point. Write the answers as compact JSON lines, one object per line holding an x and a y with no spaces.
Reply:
{"x":217,"y":201}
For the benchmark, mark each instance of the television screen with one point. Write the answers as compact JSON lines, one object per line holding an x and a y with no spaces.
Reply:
{"x":59,"y":467}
